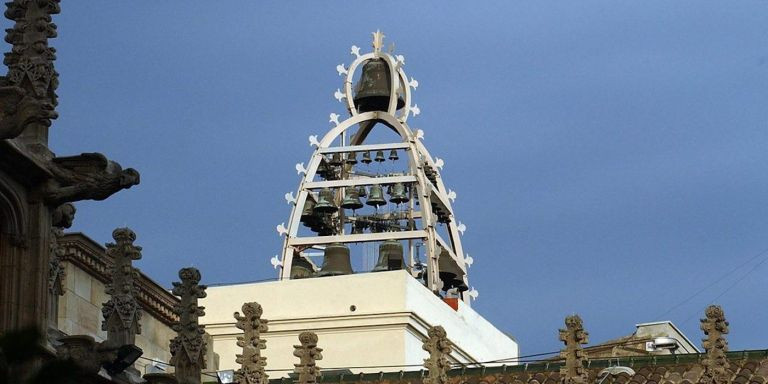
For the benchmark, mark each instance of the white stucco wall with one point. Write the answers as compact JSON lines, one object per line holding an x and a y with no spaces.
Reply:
{"x":391,"y":316}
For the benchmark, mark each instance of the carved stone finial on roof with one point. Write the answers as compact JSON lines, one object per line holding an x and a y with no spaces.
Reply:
{"x":308,"y":353}
{"x":715,"y":363}
{"x":251,"y":362}
{"x":188,"y":347}
{"x":27,"y":94}
{"x":572,"y":371}
{"x":121,"y":311}
{"x":439,"y":348}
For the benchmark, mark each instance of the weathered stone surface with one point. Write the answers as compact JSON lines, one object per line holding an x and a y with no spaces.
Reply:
{"x":439,"y":348}
{"x":573,"y":372}
{"x":188,"y":347}
{"x":251,"y":362}
{"x":308,"y":354}
{"x":715,"y":364}
{"x":88,"y":176}
{"x":121,"y":311}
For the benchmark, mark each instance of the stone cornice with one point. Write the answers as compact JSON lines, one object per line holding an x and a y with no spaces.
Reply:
{"x":91,"y":257}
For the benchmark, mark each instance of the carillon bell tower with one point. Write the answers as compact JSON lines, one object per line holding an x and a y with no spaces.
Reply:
{"x":366,"y":198}
{"x":372,"y":252}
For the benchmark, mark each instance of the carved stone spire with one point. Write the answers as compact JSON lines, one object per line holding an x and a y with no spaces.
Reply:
{"x":439,"y":348}
{"x":572,"y":371}
{"x":308,"y":353}
{"x":251,"y":362}
{"x":715,"y":363}
{"x":188,"y":347}
{"x":121,"y":311}
{"x":28,"y":92}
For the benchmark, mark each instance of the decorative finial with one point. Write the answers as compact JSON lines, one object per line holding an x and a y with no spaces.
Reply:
{"x":378,"y":41}
{"x":439,"y":348}
{"x":308,"y":353}
{"x":251,"y":362}
{"x":121,"y":311}
{"x":573,"y":372}
{"x":188,"y":347}
{"x":715,"y":363}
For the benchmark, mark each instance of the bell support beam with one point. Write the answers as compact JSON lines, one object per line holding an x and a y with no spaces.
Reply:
{"x":360,"y":181}
{"x":367,"y":147}
{"x":360,"y":238}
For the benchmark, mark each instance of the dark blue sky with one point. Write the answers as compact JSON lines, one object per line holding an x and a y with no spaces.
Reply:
{"x":610,"y":157}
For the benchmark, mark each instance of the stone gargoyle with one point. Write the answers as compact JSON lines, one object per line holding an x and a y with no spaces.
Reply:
{"x":88,"y":176}
{"x":18,"y":110}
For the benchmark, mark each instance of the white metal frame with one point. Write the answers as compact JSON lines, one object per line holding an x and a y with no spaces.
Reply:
{"x":417,"y":155}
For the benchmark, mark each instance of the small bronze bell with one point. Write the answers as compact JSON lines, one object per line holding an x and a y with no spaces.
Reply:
{"x":361,"y":192}
{"x":379,"y":157}
{"x":301,"y":268}
{"x":390,"y":256}
{"x":376,"y":196}
{"x":351,"y":158}
{"x":366,"y":157}
{"x":393,"y":155}
{"x":373,"y":91}
{"x":351,"y":199}
{"x":336,"y":261}
{"x":398,"y":194}
{"x":309,"y":209}
{"x":335,"y":159}
{"x":325,"y":202}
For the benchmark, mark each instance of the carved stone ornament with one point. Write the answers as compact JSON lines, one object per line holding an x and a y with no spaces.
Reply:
{"x":188,"y":347}
{"x":121,"y":311}
{"x":439,"y":348}
{"x":308,"y":354}
{"x":27,"y":94}
{"x":573,"y":371}
{"x":251,"y":362}
{"x":85,"y":352}
{"x":56,"y":273}
{"x":715,"y":363}
{"x":88,"y":176}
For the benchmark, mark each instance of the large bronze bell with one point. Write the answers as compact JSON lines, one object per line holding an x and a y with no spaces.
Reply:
{"x":374,"y":88}
{"x":351,"y":158}
{"x":399,"y":194}
{"x":351,"y":199}
{"x":450,"y":274}
{"x":376,"y":196}
{"x":390,"y":256}
{"x":325,"y":202}
{"x":393,"y":155}
{"x":379,"y":157}
{"x":336,"y":261}
{"x":366,"y":157}
{"x":301,"y":268}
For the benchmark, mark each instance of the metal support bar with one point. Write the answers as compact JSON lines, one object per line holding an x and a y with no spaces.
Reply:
{"x":361,"y":238}
{"x":363,"y":148}
{"x":360,"y":181}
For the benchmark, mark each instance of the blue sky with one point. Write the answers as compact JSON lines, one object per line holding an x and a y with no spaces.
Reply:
{"x":609,"y":157}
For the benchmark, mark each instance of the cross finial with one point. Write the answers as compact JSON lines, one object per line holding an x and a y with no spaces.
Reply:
{"x":378,"y":41}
